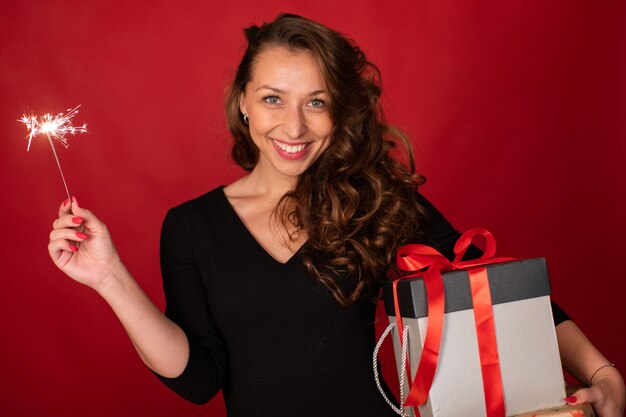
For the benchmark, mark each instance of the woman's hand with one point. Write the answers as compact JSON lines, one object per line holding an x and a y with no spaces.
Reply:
{"x":584,"y":361}
{"x":606,"y":394}
{"x":81,"y":246}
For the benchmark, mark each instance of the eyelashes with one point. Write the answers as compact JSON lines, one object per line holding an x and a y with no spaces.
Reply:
{"x":319,"y":103}
{"x":271,"y":99}
{"x":275,"y":100}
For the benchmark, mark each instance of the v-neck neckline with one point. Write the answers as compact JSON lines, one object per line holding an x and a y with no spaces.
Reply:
{"x":253,"y":238}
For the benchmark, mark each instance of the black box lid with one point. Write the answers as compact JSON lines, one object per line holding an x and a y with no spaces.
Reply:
{"x":508,"y":281}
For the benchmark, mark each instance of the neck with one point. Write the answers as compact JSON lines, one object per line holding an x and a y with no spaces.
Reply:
{"x":272,"y":184}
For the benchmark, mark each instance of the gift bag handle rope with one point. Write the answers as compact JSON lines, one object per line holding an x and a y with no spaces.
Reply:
{"x":405,"y":343}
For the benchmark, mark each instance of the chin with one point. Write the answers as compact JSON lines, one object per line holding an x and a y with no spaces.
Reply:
{"x":293,"y":172}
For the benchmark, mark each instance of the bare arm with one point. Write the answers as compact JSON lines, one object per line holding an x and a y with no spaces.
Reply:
{"x":581,"y":358}
{"x":161,"y":343}
{"x":89,"y":257}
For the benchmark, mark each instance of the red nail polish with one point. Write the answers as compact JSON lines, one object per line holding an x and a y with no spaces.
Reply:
{"x":81,"y":235}
{"x":77,"y":220}
{"x":571,"y":399}
{"x":74,"y":248}
{"x":67,"y":200}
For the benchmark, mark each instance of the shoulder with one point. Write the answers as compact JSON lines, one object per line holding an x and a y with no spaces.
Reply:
{"x":194,"y":220}
{"x":208,"y":204}
{"x":436,"y":230}
{"x":197,"y":214}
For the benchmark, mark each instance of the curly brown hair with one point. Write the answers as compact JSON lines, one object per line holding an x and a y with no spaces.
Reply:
{"x":357,"y":202}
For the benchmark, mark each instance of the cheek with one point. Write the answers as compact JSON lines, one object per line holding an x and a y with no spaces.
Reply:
{"x":260,"y":123}
{"x":326,"y":145}
{"x":325,"y":139}
{"x":324,"y":127}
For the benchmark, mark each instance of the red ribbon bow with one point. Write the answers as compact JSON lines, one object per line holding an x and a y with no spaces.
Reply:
{"x":415,"y":257}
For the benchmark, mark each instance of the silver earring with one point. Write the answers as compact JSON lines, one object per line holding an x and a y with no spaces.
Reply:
{"x":245,"y":118}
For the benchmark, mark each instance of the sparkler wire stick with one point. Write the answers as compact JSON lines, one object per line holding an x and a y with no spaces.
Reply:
{"x":69,"y":197}
{"x":56,"y":127}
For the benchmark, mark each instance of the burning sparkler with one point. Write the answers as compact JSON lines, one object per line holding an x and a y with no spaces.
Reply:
{"x":57,"y":127}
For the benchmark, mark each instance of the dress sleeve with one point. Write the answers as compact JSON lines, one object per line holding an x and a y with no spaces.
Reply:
{"x":441,"y":235}
{"x":187,"y":306}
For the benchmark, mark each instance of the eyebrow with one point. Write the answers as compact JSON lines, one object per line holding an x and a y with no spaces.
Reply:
{"x":278,"y":90}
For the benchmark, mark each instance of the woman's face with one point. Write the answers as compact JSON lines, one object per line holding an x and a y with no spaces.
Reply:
{"x":287,"y":106}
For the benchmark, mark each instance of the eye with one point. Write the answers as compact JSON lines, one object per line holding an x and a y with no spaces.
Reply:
{"x":271,"y":99}
{"x":318,"y":103}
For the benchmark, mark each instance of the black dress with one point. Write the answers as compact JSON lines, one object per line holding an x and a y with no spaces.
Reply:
{"x":268,"y":334}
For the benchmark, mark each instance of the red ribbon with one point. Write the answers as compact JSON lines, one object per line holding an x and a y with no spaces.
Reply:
{"x":415,"y":257}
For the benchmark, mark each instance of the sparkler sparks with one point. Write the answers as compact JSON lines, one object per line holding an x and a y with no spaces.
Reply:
{"x":57,"y":127}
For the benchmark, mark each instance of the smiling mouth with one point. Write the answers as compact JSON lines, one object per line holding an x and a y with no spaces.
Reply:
{"x":292,"y":149}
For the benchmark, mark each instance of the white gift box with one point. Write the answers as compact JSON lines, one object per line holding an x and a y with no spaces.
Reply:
{"x":530,"y":365}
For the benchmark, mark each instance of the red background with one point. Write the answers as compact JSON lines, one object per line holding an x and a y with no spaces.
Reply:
{"x":516,"y":110}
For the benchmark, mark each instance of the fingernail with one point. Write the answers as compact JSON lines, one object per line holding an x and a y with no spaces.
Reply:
{"x":571,"y":399}
{"x":81,"y":235}
{"x":77,"y":220}
{"x":67,"y":200}
{"x":74,"y":248}
{"x":76,"y":201}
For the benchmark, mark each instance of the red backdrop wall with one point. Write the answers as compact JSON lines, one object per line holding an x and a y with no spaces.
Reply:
{"x":516,"y":111}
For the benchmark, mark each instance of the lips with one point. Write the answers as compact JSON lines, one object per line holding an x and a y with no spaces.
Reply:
{"x":290,"y":148}
{"x":288,"y":151}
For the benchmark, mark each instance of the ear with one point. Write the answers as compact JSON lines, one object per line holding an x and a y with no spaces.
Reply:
{"x":242,"y":103}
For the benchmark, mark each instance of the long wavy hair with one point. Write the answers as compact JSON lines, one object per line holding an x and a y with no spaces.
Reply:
{"x":357,"y":202}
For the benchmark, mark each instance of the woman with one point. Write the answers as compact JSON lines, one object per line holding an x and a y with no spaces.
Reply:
{"x":269,"y":281}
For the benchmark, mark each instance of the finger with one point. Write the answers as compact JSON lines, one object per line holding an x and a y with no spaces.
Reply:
{"x":57,"y":248}
{"x":67,"y":221}
{"x":64,"y":208}
{"x":90,"y":221}
{"x":68,"y":234}
{"x":589,"y":395}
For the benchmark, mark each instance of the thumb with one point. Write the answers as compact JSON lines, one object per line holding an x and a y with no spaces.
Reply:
{"x":91,"y":223}
{"x":585,"y":395}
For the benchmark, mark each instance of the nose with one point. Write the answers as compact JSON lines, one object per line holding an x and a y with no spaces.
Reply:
{"x":294,"y":125}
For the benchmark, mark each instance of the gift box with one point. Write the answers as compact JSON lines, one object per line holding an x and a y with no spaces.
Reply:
{"x":527,"y":373}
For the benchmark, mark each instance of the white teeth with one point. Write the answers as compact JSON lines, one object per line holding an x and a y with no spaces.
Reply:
{"x":289,"y":148}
